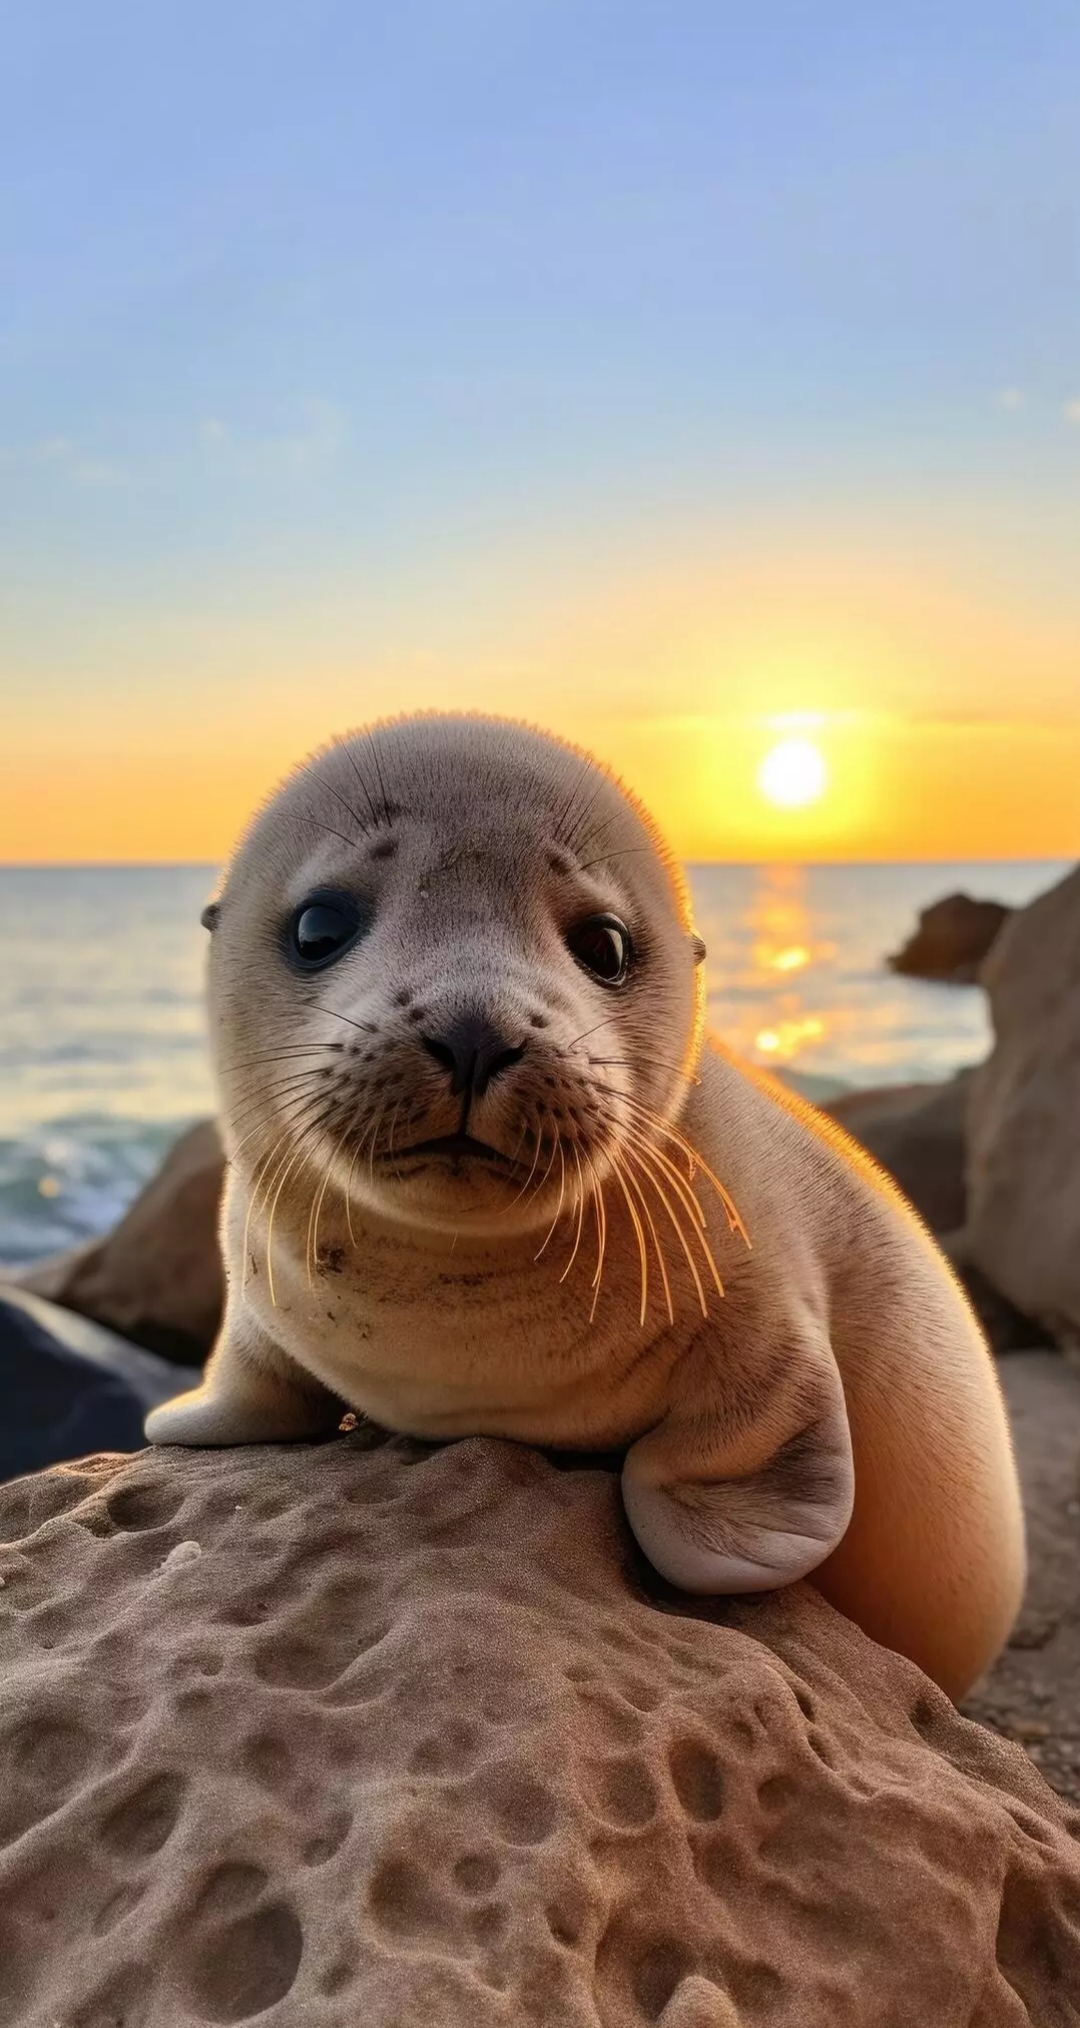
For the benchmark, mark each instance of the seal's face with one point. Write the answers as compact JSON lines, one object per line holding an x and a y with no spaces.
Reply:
{"x":452,"y":981}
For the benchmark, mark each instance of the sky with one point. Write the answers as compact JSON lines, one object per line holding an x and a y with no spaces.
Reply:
{"x":688,"y":379}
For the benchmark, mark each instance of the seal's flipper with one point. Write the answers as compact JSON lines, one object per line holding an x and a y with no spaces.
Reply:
{"x":738,"y":1531}
{"x":252,"y":1394}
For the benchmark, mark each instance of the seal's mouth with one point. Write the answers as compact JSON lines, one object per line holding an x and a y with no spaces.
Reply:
{"x":455,"y":1148}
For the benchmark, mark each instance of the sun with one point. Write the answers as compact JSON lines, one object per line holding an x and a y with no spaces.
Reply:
{"x":792,"y":774}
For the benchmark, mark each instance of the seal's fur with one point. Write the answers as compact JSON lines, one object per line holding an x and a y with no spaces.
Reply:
{"x":834,"y":1409}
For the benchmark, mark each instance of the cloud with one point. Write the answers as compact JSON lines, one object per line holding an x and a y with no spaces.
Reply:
{"x":313,"y":443}
{"x":61,"y":454}
{"x":1071,"y":410}
{"x":1010,"y":397}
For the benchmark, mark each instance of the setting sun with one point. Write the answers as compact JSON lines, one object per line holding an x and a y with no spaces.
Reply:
{"x":792,"y":774}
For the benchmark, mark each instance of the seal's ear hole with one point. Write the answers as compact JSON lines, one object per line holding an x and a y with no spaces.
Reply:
{"x":698,"y":949}
{"x":210,"y":914}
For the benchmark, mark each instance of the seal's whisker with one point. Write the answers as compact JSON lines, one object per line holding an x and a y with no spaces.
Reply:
{"x":279,"y":1055}
{"x":660,"y":1260}
{"x":622,"y":852}
{"x":279,"y":1088}
{"x":581,"y":1196}
{"x":640,"y":1162}
{"x":361,"y":1143}
{"x":639,"y":1234}
{"x":696,"y":1161}
{"x":379,"y":1118}
{"x":289,"y":1112}
{"x":282,"y":1137}
{"x":686,"y":1196}
{"x":365,"y":1027}
{"x":354,"y":814}
{"x":298,"y":1155}
{"x":608,"y":1018}
{"x":278,"y":1178}
{"x":627,"y":1062}
{"x":311,"y":1256}
{"x":601,"y":1245}
{"x":305,"y":817}
{"x":343,"y":747}
{"x":536,"y":1157}
{"x":294,"y":1116}
{"x":637,"y":1137}
{"x":562,"y":1193}
{"x":564,"y":813}
{"x":385,"y":815}
{"x":390,"y":1138}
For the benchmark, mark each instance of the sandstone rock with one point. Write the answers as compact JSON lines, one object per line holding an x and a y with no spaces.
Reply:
{"x":157,"y":1277}
{"x":372,"y":1733}
{"x":1023,"y":1165}
{"x":952,"y":939}
{"x":916,"y":1132}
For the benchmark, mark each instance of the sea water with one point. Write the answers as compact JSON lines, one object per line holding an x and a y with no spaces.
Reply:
{"x":102,"y":1033}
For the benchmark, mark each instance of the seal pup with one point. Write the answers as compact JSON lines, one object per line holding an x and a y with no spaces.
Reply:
{"x":486,"y":1176}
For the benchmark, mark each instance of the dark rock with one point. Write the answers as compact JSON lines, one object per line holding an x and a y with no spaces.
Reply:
{"x":953,"y":938}
{"x":69,"y":1387}
{"x":916,"y":1132}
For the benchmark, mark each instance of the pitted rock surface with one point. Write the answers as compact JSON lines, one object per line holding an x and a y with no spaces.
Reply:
{"x":368,"y":1733}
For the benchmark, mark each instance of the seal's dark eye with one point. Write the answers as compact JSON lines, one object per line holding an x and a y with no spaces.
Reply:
{"x":602,"y":945}
{"x":323,"y":928}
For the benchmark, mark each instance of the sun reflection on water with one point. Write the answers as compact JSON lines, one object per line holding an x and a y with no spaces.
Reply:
{"x":782,"y":972}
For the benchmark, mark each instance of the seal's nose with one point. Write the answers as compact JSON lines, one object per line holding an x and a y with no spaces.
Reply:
{"x":472,"y":1051}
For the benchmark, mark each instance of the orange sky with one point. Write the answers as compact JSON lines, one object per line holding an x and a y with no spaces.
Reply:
{"x":947,"y":724}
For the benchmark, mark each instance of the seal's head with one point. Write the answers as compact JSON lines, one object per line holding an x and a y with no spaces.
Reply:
{"x":453,"y":974}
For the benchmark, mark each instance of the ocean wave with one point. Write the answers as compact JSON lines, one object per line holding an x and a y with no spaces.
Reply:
{"x":70,"y":1179}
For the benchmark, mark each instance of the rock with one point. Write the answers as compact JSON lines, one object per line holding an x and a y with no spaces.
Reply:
{"x":916,"y":1132}
{"x":1023,"y":1156}
{"x":157,"y":1277}
{"x":407,"y":1742}
{"x":69,"y":1387}
{"x":1033,"y":1683}
{"x":952,"y":939}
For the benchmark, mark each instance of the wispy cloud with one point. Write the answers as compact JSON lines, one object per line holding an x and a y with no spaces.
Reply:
{"x":1072,"y":410}
{"x":65,"y":457}
{"x":1010,"y":397}
{"x":314,"y":442}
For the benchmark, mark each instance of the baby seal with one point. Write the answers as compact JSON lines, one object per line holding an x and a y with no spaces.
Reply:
{"x":488,"y":1177}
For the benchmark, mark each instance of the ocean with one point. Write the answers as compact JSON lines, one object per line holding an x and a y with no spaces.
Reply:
{"x":102,"y":1036}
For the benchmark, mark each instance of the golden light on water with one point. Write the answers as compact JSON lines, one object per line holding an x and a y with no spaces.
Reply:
{"x":793,"y":774}
{"x":791,"y":959}
{"x":783,"y":1041}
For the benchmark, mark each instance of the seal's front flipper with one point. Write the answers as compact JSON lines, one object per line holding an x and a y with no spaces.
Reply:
{"x":752,"y":1530}
{"x":253,"y":1393}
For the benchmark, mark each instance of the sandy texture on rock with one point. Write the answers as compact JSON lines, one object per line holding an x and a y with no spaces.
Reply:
{"x":1023,"y":1131}
{"x":388,"y":1736}
{"x":1031,"y":1693}
{"x":157,"y":1276}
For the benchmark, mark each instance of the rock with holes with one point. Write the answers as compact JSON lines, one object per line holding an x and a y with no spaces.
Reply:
{"x":371,"y":1733}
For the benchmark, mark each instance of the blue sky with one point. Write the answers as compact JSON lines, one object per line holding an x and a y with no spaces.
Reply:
{"x":379,"y":340}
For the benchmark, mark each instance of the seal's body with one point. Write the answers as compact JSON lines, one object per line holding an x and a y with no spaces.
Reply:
{"x":486,"y":1177}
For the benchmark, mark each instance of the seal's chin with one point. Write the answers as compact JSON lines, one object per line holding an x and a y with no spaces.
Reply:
{"x":455,"y":1181}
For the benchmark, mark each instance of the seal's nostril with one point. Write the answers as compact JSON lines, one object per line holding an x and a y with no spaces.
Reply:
{"x":442,"y":1053}
{"x":473,"y":1052}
